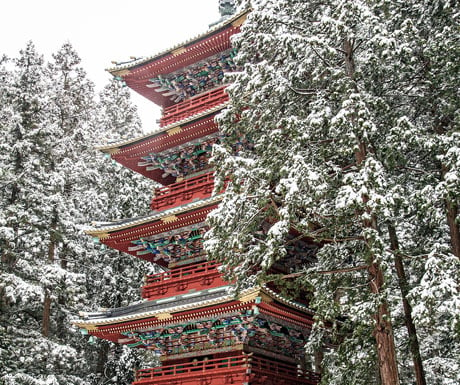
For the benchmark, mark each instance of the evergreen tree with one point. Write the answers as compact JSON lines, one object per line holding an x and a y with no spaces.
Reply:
{"x":52,"y":187}
{"x":328,"y":95}
{"x":26,"y":212}
{"x":114,"y":278}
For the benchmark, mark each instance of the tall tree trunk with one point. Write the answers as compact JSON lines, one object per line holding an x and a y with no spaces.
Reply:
{"x":454,"y":226}
{"x":102,"y":357}
{"x":46,"y":314}
{"x":318,"y":364}
{"x":414,"y":345}
{"x":451,"y":206}
{"x":383,"y":330}
{"x":47,"y":301}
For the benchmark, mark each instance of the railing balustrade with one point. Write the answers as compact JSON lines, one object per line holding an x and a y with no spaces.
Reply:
{"x":182,"y":191}
{"x":185,"y":272}
{"x":193,"y":106}
{"x":243,"y":363}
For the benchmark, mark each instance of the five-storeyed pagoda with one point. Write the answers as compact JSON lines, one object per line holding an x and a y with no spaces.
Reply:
{"x":201,"y":333}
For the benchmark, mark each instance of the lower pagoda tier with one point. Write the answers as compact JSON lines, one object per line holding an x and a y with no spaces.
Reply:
{"x":239,"y":368}
{"x":206,"y":324}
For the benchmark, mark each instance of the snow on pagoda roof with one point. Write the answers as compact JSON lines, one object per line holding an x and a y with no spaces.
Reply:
{"x":148,"y":308}
{"x":237,"y":19}
{"x":113,"y":147}
{"x":185,"y":302}
{"x":103,"y":228}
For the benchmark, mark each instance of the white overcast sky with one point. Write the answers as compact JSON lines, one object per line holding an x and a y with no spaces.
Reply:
{"x":103,"y":30}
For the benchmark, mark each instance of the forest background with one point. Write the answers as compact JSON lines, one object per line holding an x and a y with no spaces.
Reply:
{"x":53,"y":185}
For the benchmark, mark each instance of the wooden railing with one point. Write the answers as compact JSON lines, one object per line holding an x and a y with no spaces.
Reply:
{"x":245,"y":364}
{"x":193,"y":106}
{"x":181,"y":192}
{"x":198,"y":277}
{"x":184,"y":273}
{"x":236,"y":363}
{"x":264,"y":366}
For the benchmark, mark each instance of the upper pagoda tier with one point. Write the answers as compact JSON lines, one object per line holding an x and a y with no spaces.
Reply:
{"x":185,"y":70}
{"x":169,"y":238}
{"x":170,"y":153}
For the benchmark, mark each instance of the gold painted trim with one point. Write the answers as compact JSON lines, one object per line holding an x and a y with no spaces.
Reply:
{"x":250,"y":297}
{"x":98,"y":234}
{"x":164,"y":316}
{"x":240,"y":20}
{"x":121,"y":72}
{"x":265,"y":297}
{"x":169,"y":219}
{"x":112,"y":151}
{"x":174,"y":130}
{"x":179,"y":51}
{"x":89,"y":327}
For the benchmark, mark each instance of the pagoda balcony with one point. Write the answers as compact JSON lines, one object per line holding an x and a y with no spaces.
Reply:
{"x":193,"y":106}
{"x":240,"y":369}
{"x":180,"y":193}
{"x":179,"y":281}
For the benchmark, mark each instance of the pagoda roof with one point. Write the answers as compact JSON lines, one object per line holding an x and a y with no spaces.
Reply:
{"x":137,"y":73}
{"x":166,"y":309}
{"x":153,"y":308}
{"x":129,"y":153}
{"x":115,"y":147}
{"x":104,"y":229}
{"x":194,"y":313}
{"x":123,"y":234}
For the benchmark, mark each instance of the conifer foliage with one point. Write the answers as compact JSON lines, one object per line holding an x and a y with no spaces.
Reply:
{"x":53,"y":185}
{"x":352,"y":111}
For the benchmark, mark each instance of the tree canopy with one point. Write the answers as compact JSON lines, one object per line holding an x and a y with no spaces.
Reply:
{"x":351,"y":112}
{"x":53,"y":184}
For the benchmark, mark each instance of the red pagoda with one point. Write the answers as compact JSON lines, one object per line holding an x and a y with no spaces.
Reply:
{"x":200,"y":331}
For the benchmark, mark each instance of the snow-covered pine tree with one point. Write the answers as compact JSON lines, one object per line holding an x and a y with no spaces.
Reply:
{"x":27,"y":213}
{"x":326,"y":94}
{"x":53,"y":185}
{"x":114,"y":278}
{"x":426,"y":75}
{"x":69,"y":112}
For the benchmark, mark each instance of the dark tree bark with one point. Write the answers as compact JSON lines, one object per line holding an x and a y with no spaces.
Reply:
{"x":102,"y":357}
{"x":46,"y":314}
{"x":454,"y":227}
{"x":383,"y":330}
{"x":47,"y":301}
{"x":414,"y":345}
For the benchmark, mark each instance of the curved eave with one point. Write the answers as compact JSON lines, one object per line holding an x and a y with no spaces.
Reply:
{"x":122,"y":235}
{"x":129,"y":153}
{"x":287,"y":302}
{"x":162,"y":314}
{"x":136,"y":74}
{"x":235,"y":20}
{"x":168,"y":130}
{"x":105,"y":230}
{"x":193,"y":310}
